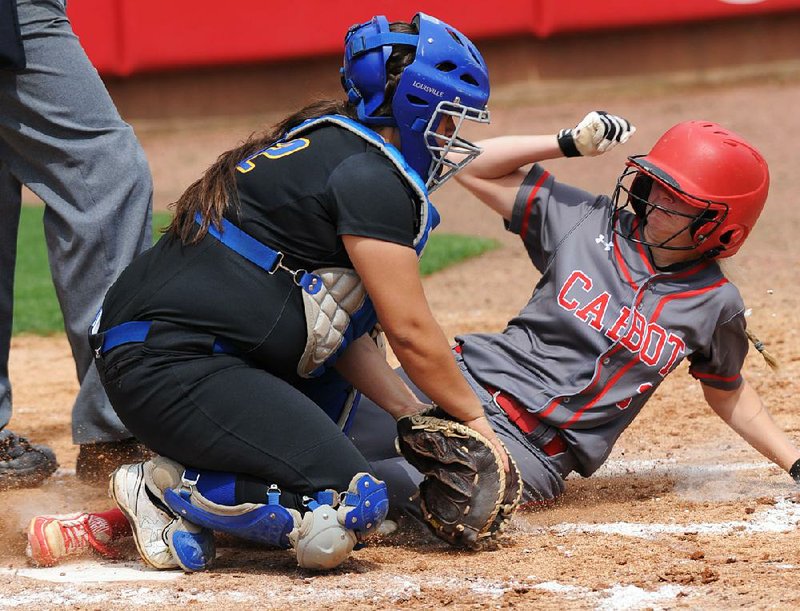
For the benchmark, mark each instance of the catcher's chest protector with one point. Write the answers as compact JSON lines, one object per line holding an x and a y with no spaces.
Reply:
{"x":340,"y":311}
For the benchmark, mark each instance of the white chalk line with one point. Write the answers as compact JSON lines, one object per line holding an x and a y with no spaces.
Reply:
{"x":670,"y":466}
{"x":396,"y":589}
{"x":784,"y":516}
{"x":90,"y":571}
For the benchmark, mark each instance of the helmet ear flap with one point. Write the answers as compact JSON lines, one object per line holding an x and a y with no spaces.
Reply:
{"x":368,"y":47}
{"x":730,"y":236}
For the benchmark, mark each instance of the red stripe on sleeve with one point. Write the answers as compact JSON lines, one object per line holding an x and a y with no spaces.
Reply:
{"x":711,"y":376}
{"x":529,"y":204}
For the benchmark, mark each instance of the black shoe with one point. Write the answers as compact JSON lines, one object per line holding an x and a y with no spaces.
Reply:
{"x":23,"y":465}
{"x":96,"y":461}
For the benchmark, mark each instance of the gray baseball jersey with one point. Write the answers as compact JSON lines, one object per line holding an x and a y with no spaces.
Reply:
{"x":603,"y":326}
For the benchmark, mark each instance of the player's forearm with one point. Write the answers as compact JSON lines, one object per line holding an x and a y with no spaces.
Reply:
{"x":497,"y":174}
{"x":365,"y":367}
{"x":505,"y":154}
{"x":391,"y":277}
{"x":746,"y":414}
{"x":425,"y":355}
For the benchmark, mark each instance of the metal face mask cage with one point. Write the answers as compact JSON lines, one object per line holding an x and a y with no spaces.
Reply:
{"x":710,"y":215}
{"x":446,"y":67}
{"x":449,"y":152}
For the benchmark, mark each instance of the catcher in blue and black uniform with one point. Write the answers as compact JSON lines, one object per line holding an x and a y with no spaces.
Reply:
{"x":233,"y":347}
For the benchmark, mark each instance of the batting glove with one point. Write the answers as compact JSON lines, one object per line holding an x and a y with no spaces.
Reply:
{"x":597,"y":133}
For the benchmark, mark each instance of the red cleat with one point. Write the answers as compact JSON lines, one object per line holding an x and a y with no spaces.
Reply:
{"x":53,"y":538}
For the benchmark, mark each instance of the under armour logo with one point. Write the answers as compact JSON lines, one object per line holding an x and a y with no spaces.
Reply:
{"x":601,"y":239}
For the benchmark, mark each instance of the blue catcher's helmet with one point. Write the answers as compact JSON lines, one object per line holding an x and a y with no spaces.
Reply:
{"x":448,"y":77}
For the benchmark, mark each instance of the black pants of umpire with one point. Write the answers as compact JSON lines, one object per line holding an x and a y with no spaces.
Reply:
{"x":217,"y":412}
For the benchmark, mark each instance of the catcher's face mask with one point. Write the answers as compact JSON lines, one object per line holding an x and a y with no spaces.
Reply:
{"x":447,"y":81}
{"x":449,"y":152}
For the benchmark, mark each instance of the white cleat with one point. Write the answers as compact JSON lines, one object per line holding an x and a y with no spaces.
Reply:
{"x":164,"y":540}
{"x":149,"y":522}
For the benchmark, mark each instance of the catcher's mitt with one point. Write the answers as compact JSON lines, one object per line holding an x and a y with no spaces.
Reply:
{"x":466,"y":496}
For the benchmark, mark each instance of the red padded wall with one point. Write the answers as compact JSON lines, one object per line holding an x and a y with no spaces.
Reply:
{"x":124,"y":37}
{"x":555,"y":16}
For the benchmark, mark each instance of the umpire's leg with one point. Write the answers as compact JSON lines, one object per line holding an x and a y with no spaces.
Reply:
{"x":9,"y":213}
{"x":71,"y":147}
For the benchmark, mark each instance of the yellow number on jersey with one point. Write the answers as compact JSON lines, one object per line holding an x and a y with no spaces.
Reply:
{"x":276,"y":151}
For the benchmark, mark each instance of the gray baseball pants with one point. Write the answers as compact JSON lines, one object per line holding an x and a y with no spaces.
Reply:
{"x":62,"y":137}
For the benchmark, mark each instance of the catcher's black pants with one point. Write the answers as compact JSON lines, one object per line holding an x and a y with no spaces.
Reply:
{"x":217,"y":412}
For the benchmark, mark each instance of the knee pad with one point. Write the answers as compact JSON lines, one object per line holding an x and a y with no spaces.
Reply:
{"x":320,"y":541}
{"x":268,"y":523}
{"x":326,"y":535}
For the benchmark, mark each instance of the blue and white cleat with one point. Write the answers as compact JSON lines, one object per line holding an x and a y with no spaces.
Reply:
{"x":164,"y":540}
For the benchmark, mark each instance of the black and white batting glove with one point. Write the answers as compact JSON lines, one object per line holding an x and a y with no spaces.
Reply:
{"x":597,"y":133}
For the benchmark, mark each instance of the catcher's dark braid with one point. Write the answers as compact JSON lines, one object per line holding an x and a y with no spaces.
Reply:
{"x":213,"y":192}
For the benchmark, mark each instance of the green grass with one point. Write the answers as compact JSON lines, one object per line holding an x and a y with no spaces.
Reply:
{"x":446,"y":249}
{"x":36,"y":308}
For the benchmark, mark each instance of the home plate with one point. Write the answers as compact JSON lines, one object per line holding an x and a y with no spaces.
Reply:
{"x":90,"y":571}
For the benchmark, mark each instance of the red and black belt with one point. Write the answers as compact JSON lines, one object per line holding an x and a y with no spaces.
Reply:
{"x":525,"y":420}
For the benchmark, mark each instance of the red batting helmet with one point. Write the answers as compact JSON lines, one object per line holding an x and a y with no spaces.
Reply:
{"x":710,"y":168}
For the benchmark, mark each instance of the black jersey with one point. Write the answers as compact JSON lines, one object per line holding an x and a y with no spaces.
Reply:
{"x":299,"y":197}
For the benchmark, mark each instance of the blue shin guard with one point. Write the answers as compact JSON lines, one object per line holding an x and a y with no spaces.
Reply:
{"x":269,"y":524}
{"x":192,"y":547}
{"x":323,"y":538}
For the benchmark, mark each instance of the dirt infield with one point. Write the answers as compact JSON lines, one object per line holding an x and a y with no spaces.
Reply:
{"x":684,"y":514}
